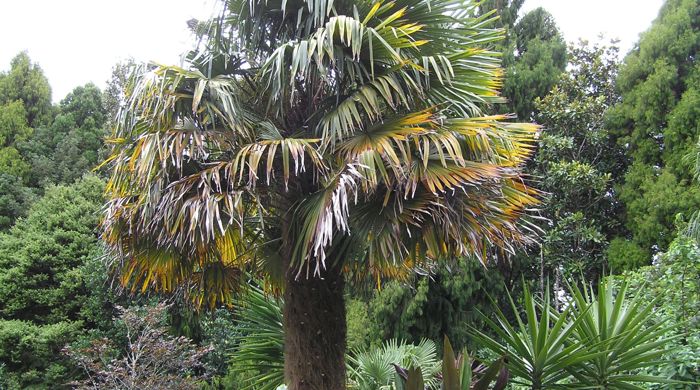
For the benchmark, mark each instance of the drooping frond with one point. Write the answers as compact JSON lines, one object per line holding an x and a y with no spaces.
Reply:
{"x":304,"y":133}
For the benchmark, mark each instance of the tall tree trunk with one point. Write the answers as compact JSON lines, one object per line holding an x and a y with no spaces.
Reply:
{"x":314,"y":331}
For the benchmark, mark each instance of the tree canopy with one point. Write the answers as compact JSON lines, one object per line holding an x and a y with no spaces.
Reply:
{"x":657,"y":122}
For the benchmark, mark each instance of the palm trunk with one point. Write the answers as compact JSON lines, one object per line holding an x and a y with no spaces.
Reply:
{"x":314,"y":331}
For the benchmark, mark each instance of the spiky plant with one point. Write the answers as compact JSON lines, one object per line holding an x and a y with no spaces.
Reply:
{"x":541,"y":349}
{"x":624,"y":330}
{"x":308,"y":140}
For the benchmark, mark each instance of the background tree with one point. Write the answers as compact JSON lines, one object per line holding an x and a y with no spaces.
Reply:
{"x":15,"y":199}
{"x":534,"y":54}
{"x":657,"y":123}
{"x":434,"y":306}
{"x":540,"y":58}
{"x":71,"y":145}
{"x":507,"y":12}
{"x":44,"y":284}
{"x":377,"y":105}
{"x":577,"y":162}
{"x":113,"y":95}
{"x":14,"y":129}
{"x":25,"y":82}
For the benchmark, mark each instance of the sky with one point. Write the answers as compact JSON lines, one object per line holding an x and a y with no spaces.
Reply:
{"x":78,"y":41}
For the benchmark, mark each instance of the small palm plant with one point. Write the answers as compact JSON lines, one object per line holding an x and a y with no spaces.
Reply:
{"x":459,"y":372}
{"x":260,"y":341}
{"x":375,"y":368}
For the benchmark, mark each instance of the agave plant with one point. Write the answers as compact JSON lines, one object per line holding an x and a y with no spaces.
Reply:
{"x":541,"y":349}
{"x":309,"y":140}
{"x":458,"y":373}
{"x":625,"y":333}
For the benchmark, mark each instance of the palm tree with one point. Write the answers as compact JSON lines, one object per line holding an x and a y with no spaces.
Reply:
{"x":310,"y":142}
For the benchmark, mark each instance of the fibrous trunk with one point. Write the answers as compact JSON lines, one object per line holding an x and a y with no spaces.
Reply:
{"x":314,"y":325}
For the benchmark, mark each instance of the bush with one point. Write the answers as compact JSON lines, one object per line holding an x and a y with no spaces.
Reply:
{"x":624,"y":255}
{"x":673,"y":282}
{"x":152,"y":358}
{"x":31,"y":354}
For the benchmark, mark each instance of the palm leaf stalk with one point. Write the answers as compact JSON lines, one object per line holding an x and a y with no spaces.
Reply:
{"x":313,"y":141}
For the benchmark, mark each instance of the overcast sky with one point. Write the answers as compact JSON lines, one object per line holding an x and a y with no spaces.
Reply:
{"x":78,"y":41}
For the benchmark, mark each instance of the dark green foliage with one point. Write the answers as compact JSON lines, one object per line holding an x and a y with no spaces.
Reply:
{"x":536,"y":24}
{"x":71,"y":145}
{"x":49,"y":284}
{"x":658,"y":123}
{"x":507,"y":12}
{"x":653,"y":196}
{"x":540,"y":58}
{"x":432,"y":306}
{"x":40,"y":254}
{"x":625,"y":255}
{"x":357,"y":319}
{"x":534,"y":54}
{"x":576,"y":162}
{"x":26,"y":82}
{"x":31,"y":354}
{"x":15,"y":199}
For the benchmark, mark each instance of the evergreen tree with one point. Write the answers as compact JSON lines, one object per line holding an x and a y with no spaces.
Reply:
{"x":534,"y":54}
{"x":15,"y":199}
{"x":658,"y":123}
{"x":539,"y":59}
{"x":50,"y":287}
{"x":14,"y":129}
{"x":71,"y":145}
{"x":577,"y":161}
{"x":26,"y":82}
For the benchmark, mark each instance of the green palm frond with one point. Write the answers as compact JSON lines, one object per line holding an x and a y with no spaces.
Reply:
{"x":261,"y":342}
{"x":374,"y":369}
